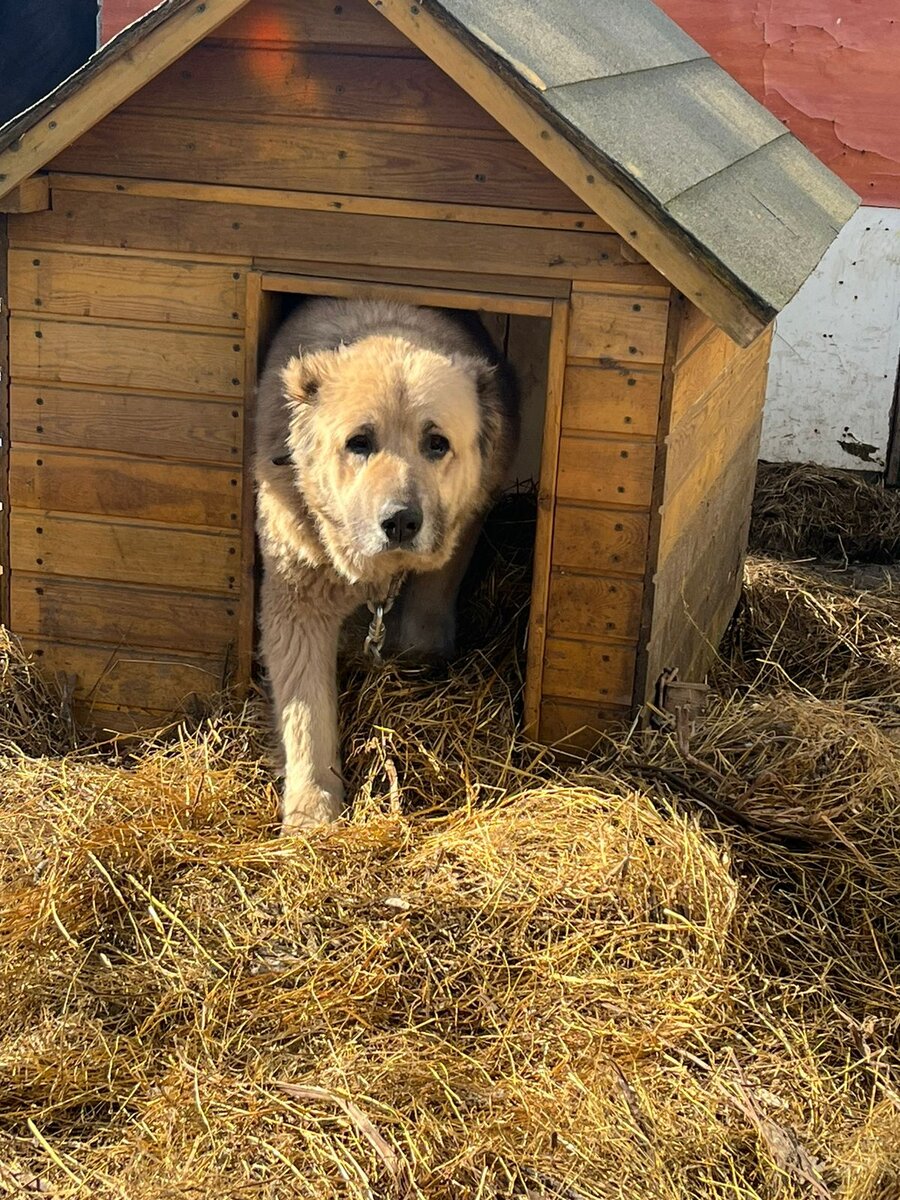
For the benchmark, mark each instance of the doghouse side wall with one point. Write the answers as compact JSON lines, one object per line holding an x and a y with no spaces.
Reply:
{"x":307,"y":138}
{"x":711,"y":451}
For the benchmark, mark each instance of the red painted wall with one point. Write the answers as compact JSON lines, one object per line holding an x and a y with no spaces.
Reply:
{"x":830,"y":69}
{"x":116,"y":14}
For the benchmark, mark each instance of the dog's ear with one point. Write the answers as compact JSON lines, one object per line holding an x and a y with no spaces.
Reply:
{"x":494,"y":432}
{"x":303,"y":374}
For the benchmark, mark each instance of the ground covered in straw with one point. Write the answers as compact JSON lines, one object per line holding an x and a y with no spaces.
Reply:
{"x":658,"y":974}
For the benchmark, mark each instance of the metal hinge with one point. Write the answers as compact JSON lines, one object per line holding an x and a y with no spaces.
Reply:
{"x":679,"y":704}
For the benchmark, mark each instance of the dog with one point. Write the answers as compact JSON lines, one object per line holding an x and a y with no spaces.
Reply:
{"x":383,"y":434}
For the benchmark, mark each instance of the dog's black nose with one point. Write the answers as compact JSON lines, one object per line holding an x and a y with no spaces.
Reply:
{"x":402,"y":526}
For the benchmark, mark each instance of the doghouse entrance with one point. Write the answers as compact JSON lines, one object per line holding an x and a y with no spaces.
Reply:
{"x":528,"y":330}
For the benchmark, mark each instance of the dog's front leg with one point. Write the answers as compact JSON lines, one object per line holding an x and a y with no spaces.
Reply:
{"x":299,"y":646}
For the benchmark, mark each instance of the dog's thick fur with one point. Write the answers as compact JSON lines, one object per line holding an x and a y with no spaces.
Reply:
{"x":366,"y":409}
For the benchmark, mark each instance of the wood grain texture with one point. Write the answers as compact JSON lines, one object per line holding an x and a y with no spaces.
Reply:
{"x":75,"y":610}
{"x":377,"y":206}
{"x":709,"y":359}
{"x":605,"y":541}
{"x":350,"y":24}
{"x":610,"y":325}
{"x":701,"y":445}
{"x":613,"y":398}
{"x":133,"y":679}
{"x":192,"y":429}
{"x":32,"y":195}
{"x":579,"y":726}
{"x":123,"y":552}
{"x":309,"y":156}
{"x":128,"y":357}
{"x":144,"y":290}
{"x":247,"y":81}
{"x":124,"y":486}
{"x":600,"y":471}
{"x":593,"y":671}
{"x":593,"y":607}
{"x":178,"y":226}
{"x":710,"y":472}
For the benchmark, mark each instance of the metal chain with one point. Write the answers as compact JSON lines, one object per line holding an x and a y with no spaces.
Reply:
{"x":379,"y":609}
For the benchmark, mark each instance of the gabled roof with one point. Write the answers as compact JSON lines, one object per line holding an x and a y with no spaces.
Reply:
{"x":610,"y":95}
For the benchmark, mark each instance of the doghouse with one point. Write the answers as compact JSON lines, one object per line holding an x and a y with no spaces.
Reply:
{"x":628,"y":220}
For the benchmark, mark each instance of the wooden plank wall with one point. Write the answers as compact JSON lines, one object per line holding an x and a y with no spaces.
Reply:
{"x":601,"y":498}
{"x":126,"y":413}
{"x":712,"y":445}
{"x":307,"y":138}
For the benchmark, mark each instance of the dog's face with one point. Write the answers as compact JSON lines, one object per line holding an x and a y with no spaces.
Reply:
{"x":388,"y":444}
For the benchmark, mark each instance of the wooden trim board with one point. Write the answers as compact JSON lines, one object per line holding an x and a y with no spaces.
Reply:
{"x":543,"y":541}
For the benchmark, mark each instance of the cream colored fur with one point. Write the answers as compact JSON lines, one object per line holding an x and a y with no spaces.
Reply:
{"x":399,"y":377}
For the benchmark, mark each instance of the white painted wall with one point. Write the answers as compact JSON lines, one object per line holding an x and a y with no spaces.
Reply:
{"x":836,"y":352}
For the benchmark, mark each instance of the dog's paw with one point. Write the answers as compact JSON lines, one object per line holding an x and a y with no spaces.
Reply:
{"x":307,"y":807}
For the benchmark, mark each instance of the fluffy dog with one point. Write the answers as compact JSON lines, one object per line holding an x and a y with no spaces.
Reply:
{"x":383,"y":435}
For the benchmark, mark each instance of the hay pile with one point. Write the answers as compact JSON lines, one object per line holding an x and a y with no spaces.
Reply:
{"x":507,"y":975}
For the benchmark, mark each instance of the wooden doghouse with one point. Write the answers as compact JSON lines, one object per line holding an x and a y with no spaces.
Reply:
{"x":583,"y":172}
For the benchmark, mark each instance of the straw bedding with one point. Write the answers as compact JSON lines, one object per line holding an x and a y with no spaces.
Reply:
{"x":509,"y":974}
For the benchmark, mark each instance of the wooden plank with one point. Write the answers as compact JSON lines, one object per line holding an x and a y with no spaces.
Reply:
{"x":104,"y":84}
{"x":612,"y":398}
{"x":132,"y":357}
{"x":626,"y":328}
{"x":546,"y":511}
{"x":90,"y":548}
{"x":589,"y":606}
{"x":670,"y":251}
{"x":75,"y":610}
{"x":146,"y":290}
{"x":309,"y":156}
{"x":606,"y":541}
{"x":119,"y":486}
{"x":698,"y":371}
{"x":414,"y":210}
{"x":373,"y":88}
{"x":195,"y":429}
{"x":262,"y":315}
{"x":32,"y":195}
{"x":673,"y":338}
{"x":516,"y":285}
{"x":578,"y":726}
{"x":480,"y":301}
{"x":4,"y":429}
{"x":349,"y":24}
{"x":178,"y":226}
{"x":601,"y":673}
{"x":700,"y":446}
{"x":600,"y":471}
{"x":134,"y":679}
{"x":695,"y":325}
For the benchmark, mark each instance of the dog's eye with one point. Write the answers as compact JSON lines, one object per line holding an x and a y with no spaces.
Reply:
{"x":436,"y":445}
{"x":361,"y":443}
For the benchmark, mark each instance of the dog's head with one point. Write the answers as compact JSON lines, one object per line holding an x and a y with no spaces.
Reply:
{"x":390,"y":445}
